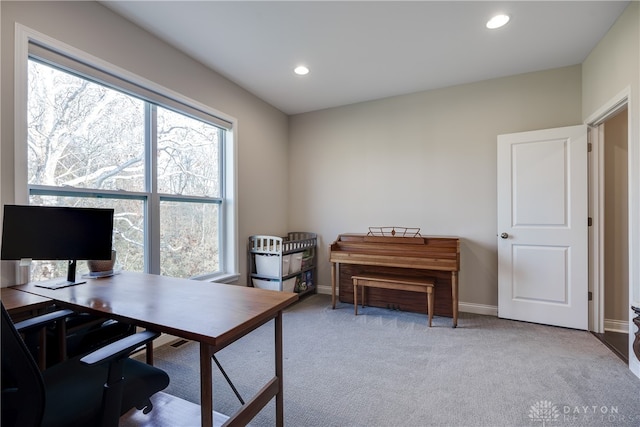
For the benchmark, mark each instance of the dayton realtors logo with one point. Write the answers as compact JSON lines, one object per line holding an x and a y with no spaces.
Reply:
{"x":544,"y":412}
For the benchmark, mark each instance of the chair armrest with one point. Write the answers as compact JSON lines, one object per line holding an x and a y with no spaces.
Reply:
{"x":119,"y":349}
{"x":40,"y":321}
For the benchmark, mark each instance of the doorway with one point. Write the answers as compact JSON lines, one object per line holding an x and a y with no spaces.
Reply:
{"x":611,"y":149}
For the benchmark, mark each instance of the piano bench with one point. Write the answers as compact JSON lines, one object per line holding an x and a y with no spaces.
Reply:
{"x":424,"y":285}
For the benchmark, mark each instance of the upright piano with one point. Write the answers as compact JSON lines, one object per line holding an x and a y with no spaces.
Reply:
{"x":418,"y":256}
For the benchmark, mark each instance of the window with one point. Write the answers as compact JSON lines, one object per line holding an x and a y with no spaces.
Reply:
{"x":95,"y":140}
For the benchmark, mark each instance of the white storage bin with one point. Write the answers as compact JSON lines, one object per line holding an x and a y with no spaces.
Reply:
{"x":267,"y":265}
{"x":289,"y":285}
{"x":296,"y":262}
{"x":273,"y":285}
{"x":265,"y":284}
{"x":286,"y":264}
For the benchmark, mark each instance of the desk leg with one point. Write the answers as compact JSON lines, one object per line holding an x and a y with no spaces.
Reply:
{"x":333,"y":285}
{"x":206,"y":386}
{"x":42,"y":353}
{"x":62,"y":339}
{"x":279,"y":371}
{"x":454,"y":297}
{"x":149,"y":352}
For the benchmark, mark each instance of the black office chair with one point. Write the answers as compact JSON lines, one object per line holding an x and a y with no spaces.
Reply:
{"x":94,"y":390}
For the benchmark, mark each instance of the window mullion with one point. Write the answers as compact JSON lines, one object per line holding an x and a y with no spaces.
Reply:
{"x":152,"y":220}
{"x":223,"y":238}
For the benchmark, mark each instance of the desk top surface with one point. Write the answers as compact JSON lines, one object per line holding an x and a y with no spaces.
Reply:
{"x":212,"y":313}
{"x":15,"y":301}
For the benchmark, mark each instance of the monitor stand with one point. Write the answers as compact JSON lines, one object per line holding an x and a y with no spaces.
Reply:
{"x":71,"y":279}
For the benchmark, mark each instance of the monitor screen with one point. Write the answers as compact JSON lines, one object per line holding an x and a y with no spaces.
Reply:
{"x":56,"y":233}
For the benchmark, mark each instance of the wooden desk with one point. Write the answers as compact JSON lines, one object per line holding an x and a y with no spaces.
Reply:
{"x":213,"y":314}
{"x":21,"y":305}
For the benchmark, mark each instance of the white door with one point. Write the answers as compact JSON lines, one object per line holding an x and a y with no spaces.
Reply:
{"x":542,"y":227}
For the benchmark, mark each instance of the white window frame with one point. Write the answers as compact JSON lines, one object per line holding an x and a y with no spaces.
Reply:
{"x":229,"y":258}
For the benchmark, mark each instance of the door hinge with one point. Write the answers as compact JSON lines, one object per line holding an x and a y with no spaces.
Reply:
{"x":590,"y":296}
{"x":589,"y":147}
{"x":589,"y":222}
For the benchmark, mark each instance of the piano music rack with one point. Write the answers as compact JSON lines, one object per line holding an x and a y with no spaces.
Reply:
{"x":394,"y":231}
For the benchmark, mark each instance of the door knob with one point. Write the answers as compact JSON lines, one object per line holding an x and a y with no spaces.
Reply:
{"x":504,"y":235}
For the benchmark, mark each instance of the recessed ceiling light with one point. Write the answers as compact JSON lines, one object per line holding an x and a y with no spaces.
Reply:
{"x":301,"y":70}
{"x":497,"y":21}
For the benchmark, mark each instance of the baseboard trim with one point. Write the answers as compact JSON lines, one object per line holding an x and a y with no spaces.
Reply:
{"x":616,"y":326}
{"x":326,"y":290}
{"x":466,"y":307}
{"x":164,"y":339}
{"x":487,"y":310}
{"x":161,"y":340}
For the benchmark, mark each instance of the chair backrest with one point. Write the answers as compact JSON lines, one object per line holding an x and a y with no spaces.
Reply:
{"x":23,"y":393}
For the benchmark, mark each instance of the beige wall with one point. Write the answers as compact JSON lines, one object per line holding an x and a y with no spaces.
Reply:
{"x":90,"y":27}
{"x":612,"y":66}
{"x":423,"y":160}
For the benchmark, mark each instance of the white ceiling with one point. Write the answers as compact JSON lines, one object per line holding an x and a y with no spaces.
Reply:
{"x":364,"y":50}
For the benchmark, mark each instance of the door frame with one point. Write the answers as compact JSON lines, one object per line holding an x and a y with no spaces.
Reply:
{"x":596,"y":205}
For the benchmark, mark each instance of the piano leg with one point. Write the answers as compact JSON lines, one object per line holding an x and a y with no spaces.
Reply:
{"x":333,"y":285}
{"x":454,"y":297}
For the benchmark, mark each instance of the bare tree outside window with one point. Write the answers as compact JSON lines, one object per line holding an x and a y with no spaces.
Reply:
{"x":83,"y":135}
{"x":87,"y":146}
{"x":188,"y":156}
{"x":188,"y":165}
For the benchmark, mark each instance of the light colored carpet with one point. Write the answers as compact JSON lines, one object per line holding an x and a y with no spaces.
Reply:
{"x":387,"y":368}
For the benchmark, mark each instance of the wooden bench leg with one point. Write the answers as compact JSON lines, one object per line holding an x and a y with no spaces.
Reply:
{"x":426,"y":286}
{"x":430,"y":304}
{"x":355,"y":296}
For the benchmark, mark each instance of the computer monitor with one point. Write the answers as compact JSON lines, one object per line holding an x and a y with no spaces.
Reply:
{"x":57,"y":233}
